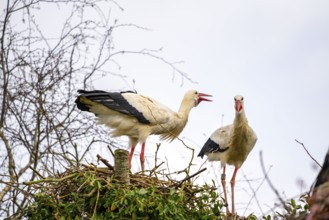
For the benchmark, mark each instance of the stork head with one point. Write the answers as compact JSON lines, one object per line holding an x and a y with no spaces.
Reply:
{"x":238,"y":99}
{"x":198,"y":97}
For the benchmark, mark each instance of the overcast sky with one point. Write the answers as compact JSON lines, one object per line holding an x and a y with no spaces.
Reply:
{"x":274,"y":53}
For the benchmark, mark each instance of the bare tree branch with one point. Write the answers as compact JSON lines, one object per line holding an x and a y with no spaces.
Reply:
{"x":40,"y":129}
{"x":309,"y":153}
{"x":269,"y":181}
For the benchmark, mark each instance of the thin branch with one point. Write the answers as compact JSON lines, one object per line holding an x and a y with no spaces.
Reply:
{"x":255,"y":191}
{"x":111,"y":151}
{"x":105,"y":162}
{"x":156,"y":154}
{"x":192,"y":154}
{"x":36,"y":172}
{"x":51,"y":179}
{"x":11,"y":165}
{"x":309,"y":153}
{"x":150,"y":53}
{"x":268,"y":179}
{"x":189,"y":177}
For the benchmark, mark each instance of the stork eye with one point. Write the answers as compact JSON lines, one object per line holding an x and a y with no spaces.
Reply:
{"x":195,"y":92}
{"x":241,"y":98}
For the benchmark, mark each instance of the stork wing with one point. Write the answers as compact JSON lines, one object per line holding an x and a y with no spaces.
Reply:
{"x":153,"y":111}
{"x":218,"y":141}
{"x":252,"y":139}
{"x":145,"y":110}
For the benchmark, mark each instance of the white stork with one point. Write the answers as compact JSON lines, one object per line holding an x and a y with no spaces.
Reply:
{"x":231,"y":144}
{"x":137,"y":116}
{"x":319,"y":198}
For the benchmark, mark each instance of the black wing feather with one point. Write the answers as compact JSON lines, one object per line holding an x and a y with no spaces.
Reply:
{"x":210,"y":147}
{"x":112,"y":100}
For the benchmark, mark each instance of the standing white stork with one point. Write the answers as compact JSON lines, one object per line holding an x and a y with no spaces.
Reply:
{"x":231,"y":144}
{"x":138,"y":116}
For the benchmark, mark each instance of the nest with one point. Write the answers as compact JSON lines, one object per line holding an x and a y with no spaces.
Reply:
{"x":66,"y":182}
{"x":91,"y":187}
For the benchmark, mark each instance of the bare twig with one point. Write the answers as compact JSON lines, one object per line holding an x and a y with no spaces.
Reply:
{"x":155,"y":168}
{"x":255,"y":191}
{"x":309,"y":153}
{"x":192,"y":154}
{"x":189,"y":177}
{"x":108,"y":147}
{"x":268,"y":179}
{"x":156,"y":154}
{"x":36,"y":172}
{"x":104,"y":161}
{"x":51,"y":179}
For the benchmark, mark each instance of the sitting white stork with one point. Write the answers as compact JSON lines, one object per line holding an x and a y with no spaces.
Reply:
{"x":138,"y":116}
{"x":319,"y":198}
{"x":231,"y":144}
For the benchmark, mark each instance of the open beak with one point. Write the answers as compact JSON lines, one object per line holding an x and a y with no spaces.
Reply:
{"x":202,"y":97}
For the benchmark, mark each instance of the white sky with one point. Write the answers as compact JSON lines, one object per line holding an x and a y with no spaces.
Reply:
{"x":275,"y":53}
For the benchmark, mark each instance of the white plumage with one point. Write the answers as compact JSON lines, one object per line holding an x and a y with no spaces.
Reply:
{"x":231,"y":144}
{"x":138,"y":116}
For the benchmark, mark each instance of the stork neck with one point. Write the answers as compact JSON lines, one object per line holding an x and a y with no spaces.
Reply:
{"x":183,"y":113}
{"x":184,"y":109}
{"x":180,"y":120}
{"x":240,"y":119}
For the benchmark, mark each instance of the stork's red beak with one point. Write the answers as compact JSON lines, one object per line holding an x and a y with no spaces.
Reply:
{"x":202,"y":97}
{"x":238,"y":106}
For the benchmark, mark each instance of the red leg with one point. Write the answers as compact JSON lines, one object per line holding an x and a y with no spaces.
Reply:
{"x":223,"y":178}
{"x":142,"y":158}
{"x":131,"y":155}
{"x":232,"y":187}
